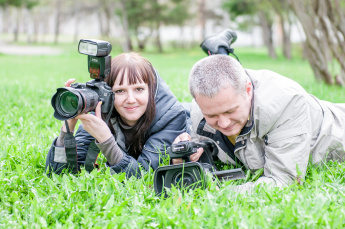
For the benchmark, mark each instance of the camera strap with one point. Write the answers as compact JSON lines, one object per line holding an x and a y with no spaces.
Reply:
{"x":93,"y":151}
{"x":111,"y":110}
{"x":71,"y":151}
{"x":91,"y":156}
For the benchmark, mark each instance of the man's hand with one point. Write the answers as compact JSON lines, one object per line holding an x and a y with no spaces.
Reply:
{"x":193,"y":157}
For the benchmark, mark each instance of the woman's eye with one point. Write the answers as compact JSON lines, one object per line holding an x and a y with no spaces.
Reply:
{"x":119,"y":91}
{"x":140,"y":89}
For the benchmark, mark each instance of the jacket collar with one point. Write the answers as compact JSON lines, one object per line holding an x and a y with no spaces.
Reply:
{"x":250,"y":123}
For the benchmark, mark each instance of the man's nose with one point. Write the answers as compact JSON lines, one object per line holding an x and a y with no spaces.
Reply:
{"x":223,"y":121}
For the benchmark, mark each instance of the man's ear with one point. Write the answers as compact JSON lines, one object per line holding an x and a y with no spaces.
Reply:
{"x":249,"y":88}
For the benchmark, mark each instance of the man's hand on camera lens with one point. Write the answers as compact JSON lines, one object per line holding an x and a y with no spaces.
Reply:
{"x":194,"y":157}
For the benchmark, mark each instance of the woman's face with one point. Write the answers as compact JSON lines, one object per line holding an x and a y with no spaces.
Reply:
{"x":130,"y":100}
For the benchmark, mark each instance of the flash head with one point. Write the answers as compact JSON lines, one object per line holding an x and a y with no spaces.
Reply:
{"x":93,"y":47}
{"x":98,"y":58}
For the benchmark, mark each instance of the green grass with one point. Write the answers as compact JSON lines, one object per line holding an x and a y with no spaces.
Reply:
{"x":29,"y":199}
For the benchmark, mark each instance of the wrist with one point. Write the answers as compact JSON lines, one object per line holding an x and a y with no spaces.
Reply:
{"x":104,"y":137}
{"x":71,"y":125}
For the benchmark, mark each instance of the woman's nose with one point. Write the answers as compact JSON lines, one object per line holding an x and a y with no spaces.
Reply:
{"x":130,"y":98}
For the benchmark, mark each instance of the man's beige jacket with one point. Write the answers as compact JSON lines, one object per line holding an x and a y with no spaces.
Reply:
{"x":287,"y":128}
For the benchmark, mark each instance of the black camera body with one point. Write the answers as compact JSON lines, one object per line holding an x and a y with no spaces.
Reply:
{"x":191,"y":175}
{"x":68,"y":102}
{"x":82,"y":98}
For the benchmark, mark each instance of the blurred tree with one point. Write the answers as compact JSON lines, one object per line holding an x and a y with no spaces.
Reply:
{"x":323,"y":22}
{"x":125,"y":24}
{"x":66,"y":10}
{"x":5,"y":16}
{"x":202,"y":17}
{"x":177,"y":13}
{"x":80,"y":9}
{"x":206,"y":11}
{"x":105,"y":13}
{"x":254,"y":12}
{"x":17,"y":6}
{"x":143,"y":19}
{"x":284,"y":13}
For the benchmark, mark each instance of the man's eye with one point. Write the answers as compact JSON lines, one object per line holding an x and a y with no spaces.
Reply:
{"x":119,"y":91}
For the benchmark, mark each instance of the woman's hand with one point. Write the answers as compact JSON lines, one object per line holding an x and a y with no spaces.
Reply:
{"x":193,"y":157}
{"x":94,"y":125}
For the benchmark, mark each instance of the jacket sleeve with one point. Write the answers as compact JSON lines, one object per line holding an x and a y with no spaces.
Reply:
{"x":287,"y":146}
{"x":155,"y":146}
{"x":56,"y":158}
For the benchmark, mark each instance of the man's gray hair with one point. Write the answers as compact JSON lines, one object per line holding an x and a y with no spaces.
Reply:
{"x":214,"y":73}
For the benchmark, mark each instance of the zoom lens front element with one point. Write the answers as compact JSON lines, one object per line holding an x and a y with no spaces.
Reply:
{"x":68,"y":103}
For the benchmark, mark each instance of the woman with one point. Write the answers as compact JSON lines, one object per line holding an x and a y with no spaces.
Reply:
{"x":146,"y":119}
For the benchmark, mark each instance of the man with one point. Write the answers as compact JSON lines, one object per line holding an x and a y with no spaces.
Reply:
{"x":261,"y":119}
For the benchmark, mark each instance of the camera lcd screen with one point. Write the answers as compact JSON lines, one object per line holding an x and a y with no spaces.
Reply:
{"x":88,"y":48}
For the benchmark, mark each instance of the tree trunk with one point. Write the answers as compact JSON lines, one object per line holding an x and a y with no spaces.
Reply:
{"x":125,"y":26}
{"x":76,"y":27}
{"x":266,"y":27}
{"x":320,"y":19}
{"x":17,"y":24}
{"x":286,"y":31}
{"x":158,"y":38}
{"x":106,"y":10}
{"x":5,"y":19}
{"x":78,"y":15}
{"x":28,"y":23}
{"x":100,"y":20}
{"x":142,"y":42}
{"x":202,"y":18}
{"x":35,"y":20}
{"x":57,"y":21}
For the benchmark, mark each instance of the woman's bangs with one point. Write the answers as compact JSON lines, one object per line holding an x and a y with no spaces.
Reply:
{"x":135,"y":75}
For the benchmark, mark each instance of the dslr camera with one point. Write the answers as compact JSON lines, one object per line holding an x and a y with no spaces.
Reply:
{"x":191,"y":175}
{"x":68,"y":102}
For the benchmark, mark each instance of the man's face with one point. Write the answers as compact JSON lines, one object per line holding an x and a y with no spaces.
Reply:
{"x":228,"y":111}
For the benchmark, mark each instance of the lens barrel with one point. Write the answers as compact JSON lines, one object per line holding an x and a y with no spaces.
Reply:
{"x":184,"y":179}
{"x":183,"y":176}
{"x":69,"y":102}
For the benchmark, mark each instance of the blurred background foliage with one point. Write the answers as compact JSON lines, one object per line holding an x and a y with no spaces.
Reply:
{"x":316,"y":26}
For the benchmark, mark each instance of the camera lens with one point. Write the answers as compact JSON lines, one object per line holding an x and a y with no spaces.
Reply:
{"x":68,"y":102}
{"x":183,"y":180}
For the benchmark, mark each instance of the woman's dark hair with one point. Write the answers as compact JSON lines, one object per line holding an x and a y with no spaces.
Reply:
{"x":138,"y":70}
